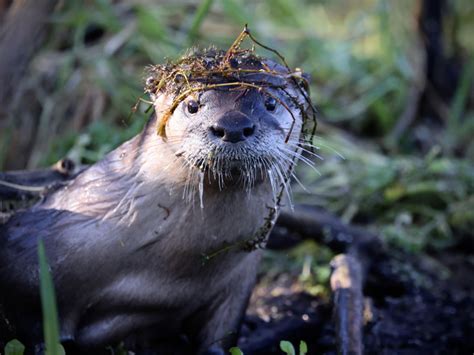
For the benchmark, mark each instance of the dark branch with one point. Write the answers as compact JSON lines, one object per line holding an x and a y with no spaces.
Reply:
{"x":27,"y":184}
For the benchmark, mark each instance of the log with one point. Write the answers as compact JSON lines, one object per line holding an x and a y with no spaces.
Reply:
{"x":309,"y":222}
{"x":27,"y":184}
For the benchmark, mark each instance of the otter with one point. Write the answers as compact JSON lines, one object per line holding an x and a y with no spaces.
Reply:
{"x":154,"y":238}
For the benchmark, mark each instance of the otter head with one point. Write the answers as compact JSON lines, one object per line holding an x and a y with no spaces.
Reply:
{"x":235,"y":136}
{"x":238,"y":130}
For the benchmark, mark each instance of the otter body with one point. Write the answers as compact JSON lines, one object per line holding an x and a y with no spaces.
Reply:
{"x":127,"y":239}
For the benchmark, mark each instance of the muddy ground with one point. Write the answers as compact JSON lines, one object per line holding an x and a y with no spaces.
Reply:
{"x":413,"y":305}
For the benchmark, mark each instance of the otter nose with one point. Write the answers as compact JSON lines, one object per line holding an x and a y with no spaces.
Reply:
{"x":233,"y":127}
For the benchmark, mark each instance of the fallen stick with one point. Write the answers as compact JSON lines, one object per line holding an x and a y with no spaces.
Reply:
{"x":27,"y":184}
{"x":346,"y":286}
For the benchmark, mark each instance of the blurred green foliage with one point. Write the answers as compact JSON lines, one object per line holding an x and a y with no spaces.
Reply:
{"x":417,"y":203}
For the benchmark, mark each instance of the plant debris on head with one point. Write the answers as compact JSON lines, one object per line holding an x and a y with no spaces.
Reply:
{"x":235,"y":69}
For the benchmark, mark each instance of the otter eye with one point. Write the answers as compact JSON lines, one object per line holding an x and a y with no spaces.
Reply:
{"x":192,"y":106}
{"x":270,"y":103}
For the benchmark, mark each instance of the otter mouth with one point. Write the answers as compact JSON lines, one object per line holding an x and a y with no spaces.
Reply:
{"x":232,"y":168}
{"x":237,"y":170}
{"x":223,"y":171}
{"x":242,"y":165}
{"x":235,"y":165}
{"x":218,"y":168}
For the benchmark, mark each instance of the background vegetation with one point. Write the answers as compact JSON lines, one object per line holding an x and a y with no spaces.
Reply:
{"x":395,"y":131}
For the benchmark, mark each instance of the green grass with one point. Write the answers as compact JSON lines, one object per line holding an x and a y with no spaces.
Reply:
{"x":48,"y":305}
{"x":418,"y":203}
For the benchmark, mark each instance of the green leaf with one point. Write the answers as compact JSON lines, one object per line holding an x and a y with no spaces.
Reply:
{"x":48,"y":305}
{"x":235,"y":351}
{"x":287,"y":347}
{"x":303,"y":348}
{"x":14,"y":347}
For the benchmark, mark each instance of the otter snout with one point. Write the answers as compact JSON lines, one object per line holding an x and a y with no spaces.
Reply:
{"x":233,"y":127}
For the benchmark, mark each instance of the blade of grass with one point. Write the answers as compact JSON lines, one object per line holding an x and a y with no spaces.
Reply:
{"x":48,"y":304}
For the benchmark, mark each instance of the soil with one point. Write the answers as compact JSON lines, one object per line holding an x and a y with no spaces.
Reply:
{"x":409,"y":309}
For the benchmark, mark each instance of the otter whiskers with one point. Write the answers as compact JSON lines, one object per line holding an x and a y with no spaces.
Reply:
{"x":240,"y":168}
